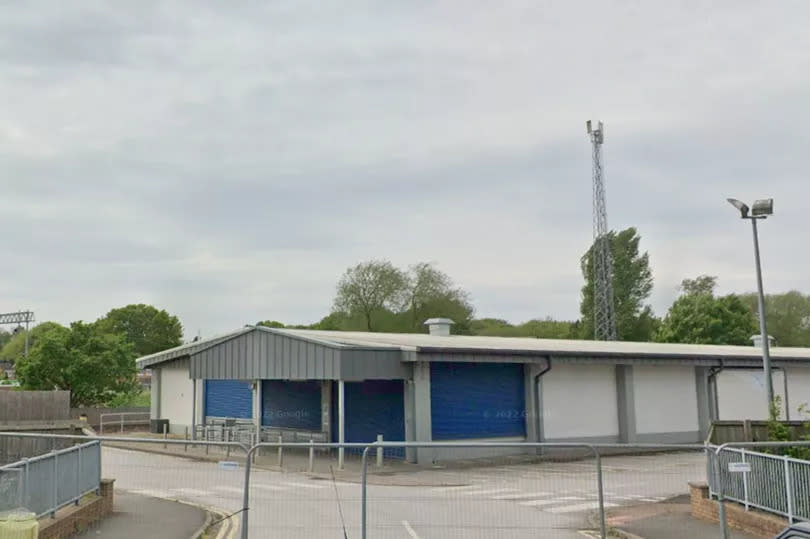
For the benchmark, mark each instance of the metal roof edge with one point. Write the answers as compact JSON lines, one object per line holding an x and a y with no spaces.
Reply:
{"x":294,"y":334}
{"x":606,"y":354}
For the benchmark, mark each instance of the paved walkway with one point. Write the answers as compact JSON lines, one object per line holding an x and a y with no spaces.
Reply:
{"x":138,"y":517}
{"x":672,"y":520}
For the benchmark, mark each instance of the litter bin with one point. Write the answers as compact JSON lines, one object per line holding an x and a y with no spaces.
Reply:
{"x":19,"y":524}
{"x":156,"y":425}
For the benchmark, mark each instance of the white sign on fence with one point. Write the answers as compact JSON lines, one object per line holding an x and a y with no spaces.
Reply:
{"x":228,"y":465}
{"x":739,"y":467}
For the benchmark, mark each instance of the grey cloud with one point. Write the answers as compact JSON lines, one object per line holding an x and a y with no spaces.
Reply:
{"x":229,"y":162}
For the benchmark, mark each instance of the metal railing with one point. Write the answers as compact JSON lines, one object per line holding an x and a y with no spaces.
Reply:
{"x":752,"y":490}
{"x":123,"y":419}
{"x":51,"y":481}
{"x":774,"y":483}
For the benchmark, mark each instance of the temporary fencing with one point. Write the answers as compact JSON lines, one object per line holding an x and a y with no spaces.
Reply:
{"x":540,"y":488}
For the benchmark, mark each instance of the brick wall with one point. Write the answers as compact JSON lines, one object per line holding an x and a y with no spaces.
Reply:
{"x":753,"y":521}
{"x":77,"y":518}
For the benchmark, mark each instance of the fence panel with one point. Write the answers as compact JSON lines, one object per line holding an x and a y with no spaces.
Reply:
{"x":776,"y":484}
{"x":45,"y":483}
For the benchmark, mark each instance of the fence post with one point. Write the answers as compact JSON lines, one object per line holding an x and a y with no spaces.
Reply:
{"x":363,"y":497}
{"x":745,"y":480}
{"x":165,"y":434}
{"x":185,"y":437}
{"x":789,"y":489}
{"x":78,"y":473}
{"x":206,"y":439}
{"x":55,"y":479}
{"x":26,"y":492}
{"x":600,"y":492}
{"x":122,"y":422}
{"x":280,"y":451}
{"x":379,"y":452}
{"x":228,"y":440}
{"x":721,"y":508}
{"x":311,"y":455}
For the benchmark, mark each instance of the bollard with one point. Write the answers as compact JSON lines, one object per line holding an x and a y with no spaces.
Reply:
{"x":165,"y":434}
{"x":185,"y":437}
{"x":206,"y":439}
{"x":311,"y":455}
{"x":280,"y":451}
{"x":379,"y":452}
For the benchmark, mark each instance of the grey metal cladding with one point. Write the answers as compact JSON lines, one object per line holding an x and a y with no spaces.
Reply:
{"x":265,"y":355}
{"x":373,"y":364}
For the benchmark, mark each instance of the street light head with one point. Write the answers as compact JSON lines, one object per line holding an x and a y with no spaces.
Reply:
{"x":741,"y":206}
{"x":762,"y":208}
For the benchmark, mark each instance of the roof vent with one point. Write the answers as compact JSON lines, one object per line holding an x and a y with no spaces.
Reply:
{"x":757,"y":340}
{"x":439,"y":327}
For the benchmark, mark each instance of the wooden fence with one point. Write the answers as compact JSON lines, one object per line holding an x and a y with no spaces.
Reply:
{"x":722,"y":432}
{"x":34,"y":406}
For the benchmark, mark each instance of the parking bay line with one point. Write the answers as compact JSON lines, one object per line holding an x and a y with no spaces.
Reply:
{"x":578,"y":507}
{"x":490,"y":491}
{"x":521,"y":496}
{"x":410,"y":530}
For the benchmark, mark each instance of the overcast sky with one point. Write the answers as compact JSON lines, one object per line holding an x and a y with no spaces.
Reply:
{"x":227,"y":161}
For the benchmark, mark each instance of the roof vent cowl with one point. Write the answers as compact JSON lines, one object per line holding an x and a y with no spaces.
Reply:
{"x":439,"y":327}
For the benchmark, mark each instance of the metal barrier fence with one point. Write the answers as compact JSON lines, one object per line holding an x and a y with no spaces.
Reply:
{"x":122,"y":419}
{"x":774,"y":483}
{"x":48,"y":482}
{"x":460,"y":500}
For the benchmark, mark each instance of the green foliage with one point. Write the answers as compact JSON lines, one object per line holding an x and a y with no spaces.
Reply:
{"x":148,"y":329}
{"x":14,"y":348}
{"x":539,"y":329}
{"x":632,"y":284}
{"x":698,"y":317}
{"x":369,"y":289}
{"x":270,"y":324}
{"x":95,"y":366}
{"x":779,"y":432}
{"x":5,"y":336}
{"x":788,"y":316}
{"x":376,"y":296}
{"x":127,"y":400}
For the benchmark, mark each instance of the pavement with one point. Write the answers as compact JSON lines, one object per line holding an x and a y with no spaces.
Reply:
{"x":669,"y":519}
{"x":137,"y":516}
{"x":518,"y":500}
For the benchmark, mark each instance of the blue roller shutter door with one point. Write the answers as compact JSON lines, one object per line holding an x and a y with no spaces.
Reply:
{"x":372,"y":407}
{"x":292,"y":405}
{"x":228,"y":398}
{"x":477,"y":400}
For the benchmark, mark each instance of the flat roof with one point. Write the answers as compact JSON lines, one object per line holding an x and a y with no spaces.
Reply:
{"x":431,"y":345}
{"x":421,"y":342}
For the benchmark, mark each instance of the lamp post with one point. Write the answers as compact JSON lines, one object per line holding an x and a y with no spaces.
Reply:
{"x":761,"y":209}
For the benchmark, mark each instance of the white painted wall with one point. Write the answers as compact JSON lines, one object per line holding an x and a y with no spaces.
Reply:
{"x":175,"y":396}
{"x":741,"y":393}
{"x":799,"y":391}
{"x":665,"y":398}
{"x":579,"y":401}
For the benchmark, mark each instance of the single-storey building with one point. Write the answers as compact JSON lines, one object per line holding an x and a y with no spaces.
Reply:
{"x":352,"y":386}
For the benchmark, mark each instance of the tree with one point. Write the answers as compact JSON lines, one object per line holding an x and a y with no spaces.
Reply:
{"x":431,"y":293}
{"x":270,"y":324}
{"x":538,"y":328}
{"x":14,"y":349}
{"x":698,"y":317}
{"x":5,"y":336}
{"x":95,"y":366}
{"x":369,"y":289}
{"x":788,"y":316}
{"x":632,"y":284}
{"x":148,"y":329}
